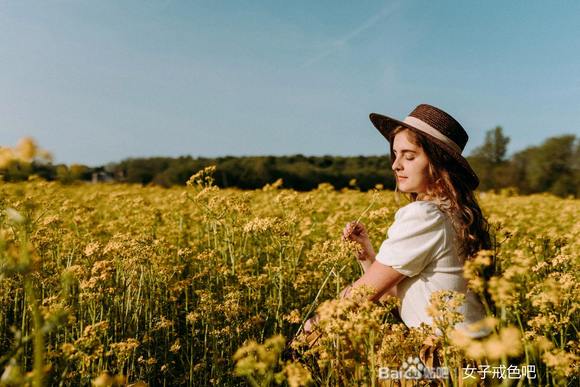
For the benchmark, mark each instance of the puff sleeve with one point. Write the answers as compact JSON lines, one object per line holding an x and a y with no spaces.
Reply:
{"x":414,"y":239}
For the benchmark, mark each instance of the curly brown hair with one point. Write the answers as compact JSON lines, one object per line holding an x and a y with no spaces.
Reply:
{"x":447,"y":188}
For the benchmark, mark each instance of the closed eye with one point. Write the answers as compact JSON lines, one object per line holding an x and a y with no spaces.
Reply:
{"x":404,"y":151}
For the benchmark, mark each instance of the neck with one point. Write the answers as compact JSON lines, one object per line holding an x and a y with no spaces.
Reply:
{"x":424,"y":196}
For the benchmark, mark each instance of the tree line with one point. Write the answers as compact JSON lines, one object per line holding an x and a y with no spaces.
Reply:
{"x":553,"y":166}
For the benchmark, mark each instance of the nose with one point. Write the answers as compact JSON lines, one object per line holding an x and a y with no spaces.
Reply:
{"x":396,"y":164}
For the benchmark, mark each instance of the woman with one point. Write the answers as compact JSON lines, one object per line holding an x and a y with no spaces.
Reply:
{"x":434,"y":234}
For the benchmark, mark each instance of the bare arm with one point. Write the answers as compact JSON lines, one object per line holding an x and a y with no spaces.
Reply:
{"x":382,"y":278}
{"x":357,"y":232}
{"x":368,"y":262}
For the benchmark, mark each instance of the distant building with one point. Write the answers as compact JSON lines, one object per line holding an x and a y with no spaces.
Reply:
{"x":102,"y":177}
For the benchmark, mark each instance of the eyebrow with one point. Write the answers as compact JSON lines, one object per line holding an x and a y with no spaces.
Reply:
{"x":405,"y":151}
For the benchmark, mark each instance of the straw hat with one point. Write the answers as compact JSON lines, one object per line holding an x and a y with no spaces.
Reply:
{"x":439,"y":127}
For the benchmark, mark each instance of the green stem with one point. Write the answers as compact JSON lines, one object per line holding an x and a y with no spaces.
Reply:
{"x":523,"y":336}
{"x":38,"y":339}
{"x":314,"y":302}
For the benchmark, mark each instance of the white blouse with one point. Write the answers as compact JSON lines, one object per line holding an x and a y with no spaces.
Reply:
{"x":421,"y":245}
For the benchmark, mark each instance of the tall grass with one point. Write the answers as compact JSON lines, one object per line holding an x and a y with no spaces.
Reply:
{"x":166,"y":286}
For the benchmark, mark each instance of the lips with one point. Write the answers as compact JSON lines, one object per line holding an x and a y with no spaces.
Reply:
{"x":401,"y":177}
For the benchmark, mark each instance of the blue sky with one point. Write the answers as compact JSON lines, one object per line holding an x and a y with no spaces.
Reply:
{"x":99,"y":81}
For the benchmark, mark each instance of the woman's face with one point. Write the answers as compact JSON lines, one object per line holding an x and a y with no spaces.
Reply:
{"x":410,"y":165}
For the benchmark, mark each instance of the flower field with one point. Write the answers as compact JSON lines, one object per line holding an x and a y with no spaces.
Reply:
{"x":118,"y":284}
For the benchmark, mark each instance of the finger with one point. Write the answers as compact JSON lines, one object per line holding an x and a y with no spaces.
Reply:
{"x":347,"y":230}
{"x":357,"y":231}
{"x":352,"y":236}
{"x":356,"y":239}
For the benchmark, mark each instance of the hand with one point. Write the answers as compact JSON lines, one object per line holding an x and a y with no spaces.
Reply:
{"x":356,"y":231}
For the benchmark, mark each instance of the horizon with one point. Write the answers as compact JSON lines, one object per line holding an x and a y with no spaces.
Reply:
{"x":508,"y":155}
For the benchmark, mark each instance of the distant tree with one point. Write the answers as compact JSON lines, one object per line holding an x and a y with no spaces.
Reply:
{"x":494,"y":147}
{"x":63,"y":174}
{"x":16,"y":170}
{"x":519,"y":168}
{"x":552,"y":166}
{"x":575,"y":165}
{"x":19,"y":162}
{"x":79,"y":172}
{"x":489,"y":162}
{"x":142,"y":171}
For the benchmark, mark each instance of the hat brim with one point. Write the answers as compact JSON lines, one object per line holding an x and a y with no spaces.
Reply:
{"x":386,"y":125}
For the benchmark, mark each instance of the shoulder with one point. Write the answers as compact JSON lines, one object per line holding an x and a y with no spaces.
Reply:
{"x":420,"y":210}
{"x":415,"y":239}
{"x":418,"y":218}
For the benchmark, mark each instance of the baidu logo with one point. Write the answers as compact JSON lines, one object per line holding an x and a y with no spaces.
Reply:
{"x":414,"y":369}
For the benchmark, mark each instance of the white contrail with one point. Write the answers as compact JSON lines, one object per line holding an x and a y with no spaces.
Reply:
{"x":337,"y":44}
